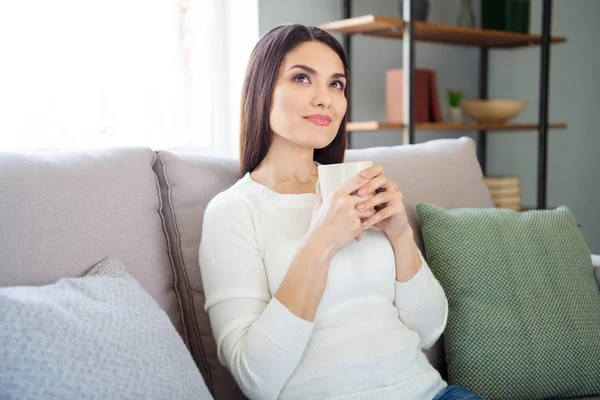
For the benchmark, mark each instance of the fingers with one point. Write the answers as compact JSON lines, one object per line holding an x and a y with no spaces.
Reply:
{"x":368,"y":181}
{"x":384,"y":205}
{"x":358,"y":229}
{"x":372,"y":172}
{"x":353,"y":185}
{"x":393,"y":207}
{"x":370,"y":187}
{"x":379,"y":216}
{"x":367,"y":213}
{"x":379,"y":199}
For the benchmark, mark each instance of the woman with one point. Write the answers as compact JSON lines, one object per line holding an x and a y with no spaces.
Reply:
{"x":304,"y":303}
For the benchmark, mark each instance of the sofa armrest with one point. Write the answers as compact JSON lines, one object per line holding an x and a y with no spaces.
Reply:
{"x":596,"y":264}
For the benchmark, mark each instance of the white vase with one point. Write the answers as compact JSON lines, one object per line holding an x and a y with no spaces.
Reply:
{"x":456,"y":114}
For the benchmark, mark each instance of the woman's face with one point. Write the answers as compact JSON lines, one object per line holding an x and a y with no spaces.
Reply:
{"x":308,"y":102}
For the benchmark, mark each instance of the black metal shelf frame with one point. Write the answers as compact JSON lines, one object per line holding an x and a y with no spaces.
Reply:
{"x":408,"y":51}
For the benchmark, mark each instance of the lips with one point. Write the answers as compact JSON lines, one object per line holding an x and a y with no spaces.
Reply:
{"x":319,"y":119}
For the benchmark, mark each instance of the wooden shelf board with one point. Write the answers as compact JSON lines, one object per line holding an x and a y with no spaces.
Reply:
{"x":429,"y":32}
{"x":447,"y":126}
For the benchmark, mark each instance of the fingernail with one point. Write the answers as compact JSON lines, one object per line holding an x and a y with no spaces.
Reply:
{"x":362,"y":192}
{"x":365,"y":224}
{"x":361,"y":206}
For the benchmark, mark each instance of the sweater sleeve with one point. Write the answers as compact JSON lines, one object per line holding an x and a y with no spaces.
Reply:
{"x":258,"y":339}
{"x":422,"y":305}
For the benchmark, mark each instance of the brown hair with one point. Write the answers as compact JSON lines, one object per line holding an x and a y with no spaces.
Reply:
{"x":259,"y":82}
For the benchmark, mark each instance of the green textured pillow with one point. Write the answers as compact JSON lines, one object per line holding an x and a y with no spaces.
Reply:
{"x":524,"y":307}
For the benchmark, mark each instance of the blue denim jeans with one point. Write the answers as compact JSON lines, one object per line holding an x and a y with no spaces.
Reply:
{"x":456,"y":393}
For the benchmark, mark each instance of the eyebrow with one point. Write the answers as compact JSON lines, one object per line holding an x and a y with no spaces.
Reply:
{"x":314,"y":72}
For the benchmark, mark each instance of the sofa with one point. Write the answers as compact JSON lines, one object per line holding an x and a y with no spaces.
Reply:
{"x":64,"y":211}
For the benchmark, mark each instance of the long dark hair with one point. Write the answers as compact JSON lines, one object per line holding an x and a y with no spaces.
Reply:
{"x":259,"y":82}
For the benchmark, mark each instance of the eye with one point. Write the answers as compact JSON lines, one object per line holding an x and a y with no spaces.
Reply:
{"x":338,"y":85}
{"x":301,"y":78}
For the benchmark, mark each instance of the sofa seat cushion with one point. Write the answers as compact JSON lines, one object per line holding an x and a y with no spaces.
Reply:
{"x":100,"y":336}
{"x":62,"y":211}
{"x":524,"y":306}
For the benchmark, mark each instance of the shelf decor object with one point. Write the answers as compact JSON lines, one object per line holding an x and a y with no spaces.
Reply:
{"x":427,"y":103}
{"x":497,"y":111}
{"x":505,"y":191}
{"x":506,"y":15}
{"x":466,"y":16}
{"x":454,"y":101}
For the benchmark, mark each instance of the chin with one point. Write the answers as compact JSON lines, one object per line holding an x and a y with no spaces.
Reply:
{"x":322,"y":139}
{"x":320,"y":143}
{"x":312,"y":138}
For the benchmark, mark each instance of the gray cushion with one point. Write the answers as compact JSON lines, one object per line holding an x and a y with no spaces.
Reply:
{"x":100,"y":336}
{"x":188,"y":182}
{"x":61,"y":212}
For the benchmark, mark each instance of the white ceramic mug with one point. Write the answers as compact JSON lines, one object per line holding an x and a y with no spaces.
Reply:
{"x":332,"y":176}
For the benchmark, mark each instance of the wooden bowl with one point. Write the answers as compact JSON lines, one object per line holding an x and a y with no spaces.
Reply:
{"x":493,"y":111}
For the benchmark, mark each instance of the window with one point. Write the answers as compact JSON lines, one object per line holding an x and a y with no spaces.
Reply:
{"x":163,"y":74}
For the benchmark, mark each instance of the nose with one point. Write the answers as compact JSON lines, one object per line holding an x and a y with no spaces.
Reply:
{"x":322,"y":96}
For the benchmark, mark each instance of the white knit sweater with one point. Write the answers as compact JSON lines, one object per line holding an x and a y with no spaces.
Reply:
{"x":367,"y":339}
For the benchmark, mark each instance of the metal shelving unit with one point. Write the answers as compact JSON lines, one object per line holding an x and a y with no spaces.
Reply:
{"x":410,"y":31}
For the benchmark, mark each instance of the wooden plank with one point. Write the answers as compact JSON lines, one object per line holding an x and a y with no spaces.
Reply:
{"x":429,"y":32}
{"x":476,"y":37}
{"x":364,"y":24}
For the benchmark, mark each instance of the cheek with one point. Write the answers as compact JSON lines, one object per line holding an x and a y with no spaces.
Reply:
{"x":340,"y":106}
{"x":285,"y":101}
{"x":284,"y":105}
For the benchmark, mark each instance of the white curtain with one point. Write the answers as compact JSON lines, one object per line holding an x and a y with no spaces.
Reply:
{"x":163,"y":74}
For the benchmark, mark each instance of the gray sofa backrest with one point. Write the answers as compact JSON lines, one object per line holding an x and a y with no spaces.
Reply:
{"x":63,"y":212}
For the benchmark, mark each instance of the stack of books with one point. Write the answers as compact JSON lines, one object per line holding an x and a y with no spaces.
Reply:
{"x":505,"y":191}
{"x":427,"y":103}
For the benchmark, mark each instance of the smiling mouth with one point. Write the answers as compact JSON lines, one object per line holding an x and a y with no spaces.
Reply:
{"x":320,"y":120}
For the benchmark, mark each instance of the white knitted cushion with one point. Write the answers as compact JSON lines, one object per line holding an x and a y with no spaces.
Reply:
{"x":100,"y":336}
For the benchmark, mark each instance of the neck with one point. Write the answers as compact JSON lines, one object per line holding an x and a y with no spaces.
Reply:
{"x":287,"y":167}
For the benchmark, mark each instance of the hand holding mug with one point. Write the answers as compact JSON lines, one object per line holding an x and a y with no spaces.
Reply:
{"x":335,"y":219}
{"x":333,"y":176}
{"x":390,"y":215}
